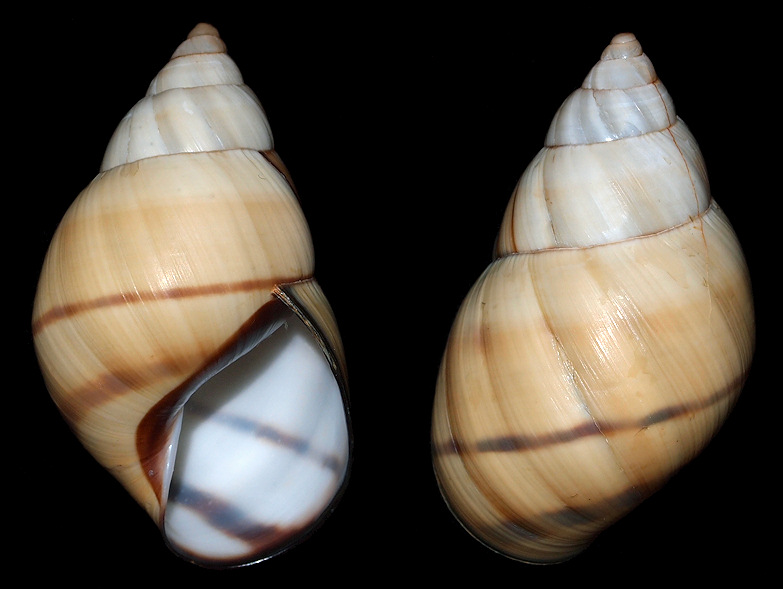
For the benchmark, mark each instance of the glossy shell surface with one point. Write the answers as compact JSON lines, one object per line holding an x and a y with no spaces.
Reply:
{"x":180,"y":329}
{"x":608,"y":340}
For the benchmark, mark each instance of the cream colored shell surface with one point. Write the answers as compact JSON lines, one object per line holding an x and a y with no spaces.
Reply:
{"x":189,"y":246}
{"x":608,"y":340}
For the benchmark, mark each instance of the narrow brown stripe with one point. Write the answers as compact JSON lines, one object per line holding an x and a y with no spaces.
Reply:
{"x":523,"y":443}
{"x":271,"y":434}
{"x":263,"y":540}
{"x":129,"y":298}
{"x":228,"y":518}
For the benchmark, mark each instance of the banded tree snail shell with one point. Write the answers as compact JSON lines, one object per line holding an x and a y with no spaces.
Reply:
{"x":609,"y":338}
{"x":179,"y":327}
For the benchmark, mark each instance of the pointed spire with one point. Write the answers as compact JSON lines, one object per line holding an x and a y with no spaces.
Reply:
{"x":620,"y":97}
{"x":198,"y":101}
{"x":204,"y":38}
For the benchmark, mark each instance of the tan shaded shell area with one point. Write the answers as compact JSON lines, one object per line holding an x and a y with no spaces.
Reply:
{"x":110,"y":301}
{"x":179,"y":327}
{"x":406,"y":133}
{"x":574,"y":385}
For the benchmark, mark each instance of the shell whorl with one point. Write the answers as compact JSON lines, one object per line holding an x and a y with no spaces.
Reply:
{"x":617,"y":163}
{"x":609,"y":338}
{"x":197,"y":102}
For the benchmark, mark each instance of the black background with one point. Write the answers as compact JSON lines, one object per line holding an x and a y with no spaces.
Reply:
{"x":405,"y":131}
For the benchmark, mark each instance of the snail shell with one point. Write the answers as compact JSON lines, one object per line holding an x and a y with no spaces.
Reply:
{"x":179,"y":328}
{"x":610,"y":336}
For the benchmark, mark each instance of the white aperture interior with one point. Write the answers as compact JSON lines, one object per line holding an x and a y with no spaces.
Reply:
{"x":262,"y":452}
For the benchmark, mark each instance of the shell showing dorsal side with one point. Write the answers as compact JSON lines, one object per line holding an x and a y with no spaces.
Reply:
{"x":179,"y":327}
{"x":609,"y":338}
